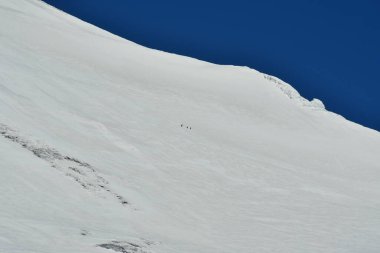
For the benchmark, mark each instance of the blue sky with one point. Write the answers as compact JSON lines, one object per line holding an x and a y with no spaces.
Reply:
{"x":325,"y":49}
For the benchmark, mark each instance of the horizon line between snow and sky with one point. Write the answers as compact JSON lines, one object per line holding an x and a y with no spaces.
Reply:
{"x":326,"y":50}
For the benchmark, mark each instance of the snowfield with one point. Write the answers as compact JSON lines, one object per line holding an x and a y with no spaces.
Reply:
{"x":93,"y":157}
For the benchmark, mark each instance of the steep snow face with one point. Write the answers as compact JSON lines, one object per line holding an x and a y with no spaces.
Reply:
{"x":107,"y":146}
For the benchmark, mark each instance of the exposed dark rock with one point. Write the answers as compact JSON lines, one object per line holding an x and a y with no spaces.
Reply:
{"x":123,"y":247}
{"x":82,"y":172}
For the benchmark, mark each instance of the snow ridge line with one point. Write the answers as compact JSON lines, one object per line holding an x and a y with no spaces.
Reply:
{"x":81,"y":172}
{"x":293,"y":94}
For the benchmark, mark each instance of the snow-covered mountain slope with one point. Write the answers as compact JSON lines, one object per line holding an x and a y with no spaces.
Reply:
{"x":93,"y":157}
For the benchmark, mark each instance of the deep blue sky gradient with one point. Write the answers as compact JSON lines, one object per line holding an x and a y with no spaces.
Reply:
{"x":327,"y":49}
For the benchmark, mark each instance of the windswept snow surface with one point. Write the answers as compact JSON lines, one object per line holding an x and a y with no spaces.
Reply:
{"x":93,"y":157}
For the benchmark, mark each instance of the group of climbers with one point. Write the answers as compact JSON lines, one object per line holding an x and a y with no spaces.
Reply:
{"x":187,"y":127}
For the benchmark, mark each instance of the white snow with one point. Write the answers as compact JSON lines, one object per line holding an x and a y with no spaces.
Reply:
{"x":93,"y":157}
